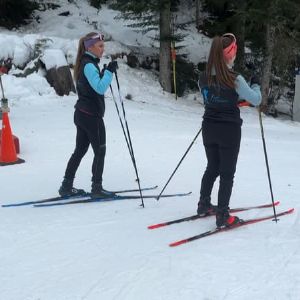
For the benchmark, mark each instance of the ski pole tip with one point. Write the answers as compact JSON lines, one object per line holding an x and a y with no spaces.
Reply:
{"x":156,"y":226}
{"x":178,"y":243}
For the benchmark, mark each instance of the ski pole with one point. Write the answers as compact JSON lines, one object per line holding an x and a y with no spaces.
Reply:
{"x":120,"y":119}
{"x":119,"y":115}
{"x":186,"y":152}
{"x":267,"y":164}
{"x":4,"y":102}
{"x":129,"y":140}
{"x":2,"y":88}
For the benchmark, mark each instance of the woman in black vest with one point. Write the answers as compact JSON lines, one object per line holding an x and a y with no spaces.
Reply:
{"x":222,"y":88}
{"x":91,"y":84}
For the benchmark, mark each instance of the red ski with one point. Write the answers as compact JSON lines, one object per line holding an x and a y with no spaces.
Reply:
{"x":195,"y":217}
{"x":218,"y":230}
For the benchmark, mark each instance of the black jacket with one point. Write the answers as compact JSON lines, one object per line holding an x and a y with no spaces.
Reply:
{"x":88,"y":100}
{"x":221,"y":102}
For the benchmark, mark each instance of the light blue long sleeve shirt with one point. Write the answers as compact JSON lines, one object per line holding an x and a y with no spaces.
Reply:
{"x":251,"y":94}
{"x":99,"y":85}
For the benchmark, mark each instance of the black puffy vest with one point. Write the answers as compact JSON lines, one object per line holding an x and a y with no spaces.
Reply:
{"x":88,"y":100}
{"x":221,"y":102}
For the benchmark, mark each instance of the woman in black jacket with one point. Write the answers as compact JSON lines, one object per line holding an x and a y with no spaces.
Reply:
{"x":91,"y":84}
{"x":221,"y":89}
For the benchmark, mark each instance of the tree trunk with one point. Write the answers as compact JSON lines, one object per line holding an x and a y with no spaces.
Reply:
{"x":238,"y":28}
{"x":198,"y":20}
{"x":3,"y":4}
{"x":165,"y":47}
{"x":267,"y":67}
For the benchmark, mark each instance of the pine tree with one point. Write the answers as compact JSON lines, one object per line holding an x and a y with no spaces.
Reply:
{"x":155,"y":15}
{"x":270,"y":28}
{"x":273,"y":28}
{"x":227,"y":16}
{"x":16,"y":12}
{"x":97,"y":3}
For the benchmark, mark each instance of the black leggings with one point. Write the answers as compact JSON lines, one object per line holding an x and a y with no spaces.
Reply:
{"x":90,"y":130}
{"x":222,"y":143}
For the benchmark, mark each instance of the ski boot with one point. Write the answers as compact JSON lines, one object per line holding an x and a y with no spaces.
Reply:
{"x":205,"y":208}
{"x":224,"y":219}
{"x":99,"y":192}
{"x":67,"y":189}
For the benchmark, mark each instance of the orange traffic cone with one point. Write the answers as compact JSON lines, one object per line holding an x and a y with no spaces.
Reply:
{"x":8,"y":154}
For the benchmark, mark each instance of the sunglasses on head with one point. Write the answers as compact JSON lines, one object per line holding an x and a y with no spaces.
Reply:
{"x":98,"y":36}
{"x":230,"y":35}
{"x":92,"y":40}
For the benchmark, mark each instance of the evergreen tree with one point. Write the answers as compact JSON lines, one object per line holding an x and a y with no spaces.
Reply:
{"x":16,"y":12}
{"x":227,"y":16}
{"x":97,"y":3}
{"x":273,"y":28}
{"x":270,"y":28}
{"x":155,"y":15}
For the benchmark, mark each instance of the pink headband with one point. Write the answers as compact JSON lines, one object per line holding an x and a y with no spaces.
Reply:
{"x":90,"y":41}
{"x":230,"y":51}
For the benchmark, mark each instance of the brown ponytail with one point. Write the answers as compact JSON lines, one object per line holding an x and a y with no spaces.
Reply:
{"x":80,"y":52}
{"x":217,"y":70}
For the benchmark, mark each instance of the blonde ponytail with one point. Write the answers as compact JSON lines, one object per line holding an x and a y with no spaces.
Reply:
{"x":80,"y":53}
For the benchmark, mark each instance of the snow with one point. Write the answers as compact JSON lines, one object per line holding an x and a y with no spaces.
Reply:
{"x":104,"y":250}
{"x":53,"y":58}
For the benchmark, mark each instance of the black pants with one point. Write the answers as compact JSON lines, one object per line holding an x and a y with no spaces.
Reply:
{"x":222,"y":143}
{"x":90,"y":130}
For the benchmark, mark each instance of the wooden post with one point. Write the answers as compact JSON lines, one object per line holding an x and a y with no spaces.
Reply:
{"x":173,"y":55}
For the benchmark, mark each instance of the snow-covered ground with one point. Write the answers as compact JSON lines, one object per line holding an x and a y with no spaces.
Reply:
{"x":104,"y":250}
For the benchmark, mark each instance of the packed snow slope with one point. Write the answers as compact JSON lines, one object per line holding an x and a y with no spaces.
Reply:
{"x":104,"y":251}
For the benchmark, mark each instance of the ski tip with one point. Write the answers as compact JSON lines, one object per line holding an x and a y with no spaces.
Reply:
{"x":178,"y":243}
{"x":12,"y":205}
{"x":277,"y":203}
{"x":156,"y":226}
{"x":291,"y":210}
{"x":184,"y":194}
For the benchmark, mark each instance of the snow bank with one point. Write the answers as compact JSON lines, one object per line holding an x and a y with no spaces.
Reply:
{"x":53,"y":58}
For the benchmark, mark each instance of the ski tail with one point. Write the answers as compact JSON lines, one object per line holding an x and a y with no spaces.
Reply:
{"x":195,"y":217}
{"x":52,"y":199}
{"x":222,"y":229}
{"x":159,"y":225}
